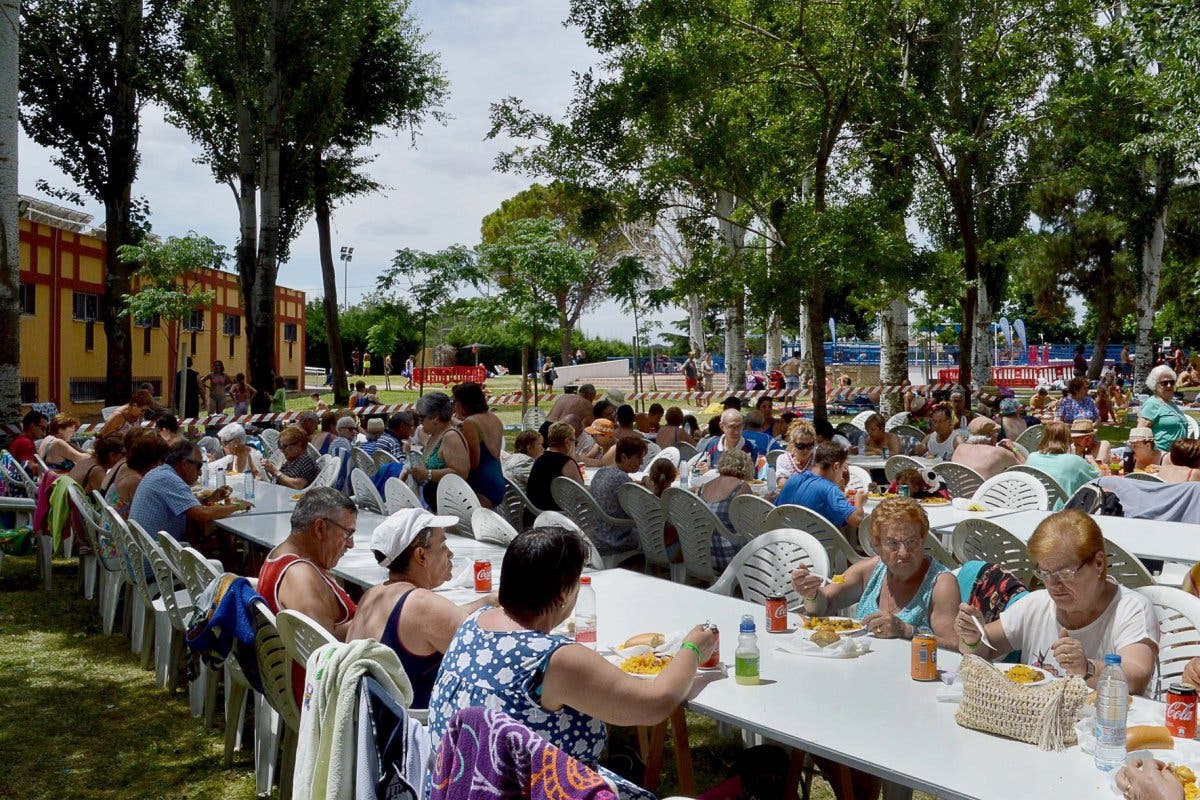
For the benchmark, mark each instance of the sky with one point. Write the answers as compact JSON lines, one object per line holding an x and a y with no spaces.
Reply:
{"x":438,"y":191}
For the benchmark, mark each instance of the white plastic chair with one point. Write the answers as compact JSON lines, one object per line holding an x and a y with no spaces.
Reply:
{"x":933,"y":545}
{"x":277,"y":719}
{"x":1055,"y":493}
{"x":961,"y":480}
{"x":652,"y":451}
{"x":1126,"y":568}
{"x":748,"y":513}
{"x":330,"y":467}
{"x":650,"y":519}
{"x":1013,"y":490}
{"x":366,"y":496}
{"x":92,"y":528}
{"x":773,"y":457}
{"x":171,"y":607}
{"x":895,"y":464}
{"x":859,"y":478}
{"x":860,"y":420}
{"x":301,"y":635}
{"x":908,"y":431}
{"x":488,"y":526}
{"x":667,"y":454}
{"x":686,"y":451}
{"x":140,"y":599}
{"x":763,"y":568}
{"x":556,"y":519}
{"x":457,"y":499}
{"x":836,"y":546}
{"x":314,"y":452}
{"x":895,"y":421}
{"x":1179,"y":632}
{"x":362,"y":460}
{"x":1031,"y":437}
{"x":270,"y":440}
{"x":397,"y":495}
{"x":533,"y":419}
{"x":382,"y":457}
{"x":1144,"y":476}
{"x":578,"y":504}
{"x":982,"y":540}
{"x":696,"y":524}
{"x":512,"y":507}
{"x":525,"y":501}
{"x":1193,"y":426}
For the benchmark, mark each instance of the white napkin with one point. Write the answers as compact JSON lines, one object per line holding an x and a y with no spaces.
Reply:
{"x":667,"y":648}
{"x":845,"y":648}
{"x":950,"y":693}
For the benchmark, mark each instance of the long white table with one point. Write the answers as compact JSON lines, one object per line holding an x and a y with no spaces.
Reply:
{"x":864,"y":712}
{"x":943,"y":518}
{"x":1145,"y":538}
{"x":269,"y":498}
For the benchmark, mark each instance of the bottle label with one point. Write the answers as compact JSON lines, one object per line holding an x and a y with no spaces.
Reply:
{"x":745,"y":666}
{"x":1110,"y":735}
{"x":585,"y":635}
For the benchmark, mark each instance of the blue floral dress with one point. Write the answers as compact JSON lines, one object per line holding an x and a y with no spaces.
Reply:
{"x":503,"y":671}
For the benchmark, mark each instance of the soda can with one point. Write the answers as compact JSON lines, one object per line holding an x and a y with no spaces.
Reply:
{"x":1181,"y":710}
{"x":777,"y":620}
{"x":924,"y":657}
{"x":905,"y":490}
{"x":483,"y":576}
{"x":714,"y":660}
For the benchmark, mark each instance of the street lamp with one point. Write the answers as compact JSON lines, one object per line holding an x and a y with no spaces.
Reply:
{"x":347,"y":256}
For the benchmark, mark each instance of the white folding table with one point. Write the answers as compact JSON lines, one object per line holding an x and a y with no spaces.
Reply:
{"x":1145,"y":538}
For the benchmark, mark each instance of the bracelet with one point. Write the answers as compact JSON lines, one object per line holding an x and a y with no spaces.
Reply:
{"x":693,"y":648}
{"x":813,"y":599}
{"x":969,"y":646}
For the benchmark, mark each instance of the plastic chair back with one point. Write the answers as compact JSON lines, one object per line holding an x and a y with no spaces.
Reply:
{"x":859,"y":478}
{"x":652,"y":451}
{"x":895,"y":421}
{"x":270,"y":439}
{"x":839,"y":550}
{"x":686,"y":451}
{"x":1087,"y":498}
{"x":555,"y":519}
{"x":1013,"y":490}
{"x":748,"y":513}
{"x":366,"y":496}
{"x":649,"y":518}
{"x":382,"y":457}
{"x":363,"y":460}
{"x":330,"y":467}
{"x":533,"y":419}
{"x":488,"y":526}
{"x":894,"y":465}
{"x":667,"y":454}
{"x":763,"y":568}
{"x":512,"y":507}
{"x":696,"y":524}
{"x":982,"y":540}
{"x":1055,"y":493}
{"x":578,"y":504}
{"x":1179,"y":633}
{"x":908,"y":432}
{"x":525,"y":501}
{"x":860,"y":420}
{"x":93,"y":527}
{"x":1031,"y":437}
{"x":1126,"y":568}
{"x":851,"y":432}
{"x":457,"y":499}
{"x":397,"y":495}
{"x":301,"y":636}
{"x":773,"y":456}
{"x":274,"y":667}
{"x":198,"y":571}
{"x":961,"y":480}
{"x":166,"y":577}
{"x":1144,"y":476}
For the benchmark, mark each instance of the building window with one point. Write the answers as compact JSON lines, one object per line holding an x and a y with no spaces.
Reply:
{"x":194,"y":321}
{"x":289,"y":331}
{"x":29,"y":387}
{"x":193,"y":350}
{"x":149,"y":321}
{"x":231,"y":325}
{"x":146,"y":340}
{"x":231,"y":346}
{"x":86,"y":306}
{"x":89,"y":336}
{"x":28,"y":297}
{"x":87,"y":390}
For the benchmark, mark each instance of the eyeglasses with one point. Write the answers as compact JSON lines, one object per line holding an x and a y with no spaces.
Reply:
{"x":348,"y":531}
{"x":1166,"y":382}
{"x":896,"y":545}
{"x":1061,"y":575}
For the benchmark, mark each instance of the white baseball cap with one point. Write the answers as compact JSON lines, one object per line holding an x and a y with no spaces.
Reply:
{"x":394,"y":535}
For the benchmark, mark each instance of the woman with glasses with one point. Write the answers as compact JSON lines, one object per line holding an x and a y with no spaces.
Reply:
{"x":1160,"y":413}
{"x":800,"y":441}
{"x":299,"y":468}
{"x":443,"y":449}
{"x":1068,"y":627}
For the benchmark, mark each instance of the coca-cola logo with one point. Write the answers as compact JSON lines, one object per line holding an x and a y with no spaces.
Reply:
{"x":483,"y":573}
{"x":1181,"y":710}
{"x":780,"y":611}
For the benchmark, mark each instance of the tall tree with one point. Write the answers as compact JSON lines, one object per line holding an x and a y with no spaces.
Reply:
{"x":89,"y":69}
{"x":10,"y":312}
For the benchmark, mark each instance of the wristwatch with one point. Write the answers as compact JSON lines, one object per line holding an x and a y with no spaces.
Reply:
{"x":1091,"y":670}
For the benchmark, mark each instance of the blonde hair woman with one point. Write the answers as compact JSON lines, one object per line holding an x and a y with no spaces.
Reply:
{"x":800,"y":444}
{"x":1055,"y":458}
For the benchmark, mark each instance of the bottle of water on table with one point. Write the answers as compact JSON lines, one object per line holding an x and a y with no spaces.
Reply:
{"x":745,"y":657}
{"x":1112,"y":706}
{"x":585,"y":613}
{"x":248,"y":485}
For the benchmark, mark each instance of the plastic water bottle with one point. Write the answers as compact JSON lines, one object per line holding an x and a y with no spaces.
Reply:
{"x":745,"y":657}
{"x":585,"y":613}
{"x":205,"y":472}
{"x":886,"y":453}
{"x":248,"y":485}
{"x":685,"y":476}
{"x":1112,"y":706}
{"x":220,"y":477}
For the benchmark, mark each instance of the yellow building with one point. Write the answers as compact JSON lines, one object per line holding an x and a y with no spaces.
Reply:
{"x":63,"y":349}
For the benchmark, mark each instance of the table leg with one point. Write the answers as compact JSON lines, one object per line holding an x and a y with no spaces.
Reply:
{"x":683,"y":753}
{"x":654,"y":756}
{"x":894,"y":791}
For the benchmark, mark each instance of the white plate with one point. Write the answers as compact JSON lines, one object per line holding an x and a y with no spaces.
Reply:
{"x":1186,"y":755}
{"x":674,"y":639}
{"x":808,"y":632}
{"x":616,"y":661}
{"x":1046,"y":676}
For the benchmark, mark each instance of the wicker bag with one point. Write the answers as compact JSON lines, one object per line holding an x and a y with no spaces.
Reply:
{"x":1042,"y":715}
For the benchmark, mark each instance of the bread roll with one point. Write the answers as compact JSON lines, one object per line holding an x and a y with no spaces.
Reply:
{"x":1148,"y":737}
{"x":647,"y":639}
{"x":825,"y":637}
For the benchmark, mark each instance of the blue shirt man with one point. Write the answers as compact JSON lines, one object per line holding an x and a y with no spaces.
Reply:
{"x":817,"y":491}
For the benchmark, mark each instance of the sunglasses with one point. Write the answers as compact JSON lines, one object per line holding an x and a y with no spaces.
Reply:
{"x":1166,"y":383}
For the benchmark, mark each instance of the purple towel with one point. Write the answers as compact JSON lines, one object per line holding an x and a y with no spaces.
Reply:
{"x":486,"y":755}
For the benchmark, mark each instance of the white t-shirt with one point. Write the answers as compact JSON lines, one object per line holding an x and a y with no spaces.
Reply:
{"x":943,"y":450}
{"x":1031,"y":626}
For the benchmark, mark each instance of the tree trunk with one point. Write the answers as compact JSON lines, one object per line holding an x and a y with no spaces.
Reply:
{"x":10,"y":313}
{"x":893,"y":354}
{"x":981,"y":357}
{"x":333,"y":328}
{"x":734,"y":238}
{"x":805,"y":346}
{"x":1103,"y":300}
{"x":696,"y":340}
{"x":1151,"y":277}
{"x":774,"y":338}
{"x":247,"y":158}
{"x":815,"y":309}
{"x":565,"y":329}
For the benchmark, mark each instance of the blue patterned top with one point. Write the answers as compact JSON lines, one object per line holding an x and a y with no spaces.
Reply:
{"x":503,"y":671}
{"x":916,"y":612}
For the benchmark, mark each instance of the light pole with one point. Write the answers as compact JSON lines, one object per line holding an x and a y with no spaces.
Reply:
{"x":347,"y":256}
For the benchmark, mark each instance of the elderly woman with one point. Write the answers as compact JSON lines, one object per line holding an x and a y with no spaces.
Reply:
{"x":128,"y":415}
{"x":444,"y":451}
{"x":1081,"y":615}
{"x":1184,"y":462}
{"x":56,"y":449}
{"x":673,"y":432}
{"x":1160,"y":413}
{"x":1076,"y":403}
{"x":898,"y":592}
{"x":800,"y":441}
{"x":484,"y":434}
{"x":299,"y":467}
{"x":239,"y":457}
{"x":1054,"y":457}
{"x":878,"y":440}
{"x":145,"y":451}
{"x":526,"y":448}
{"x":506,"y":658}
{"x":90,"y":470}
{"x":734,"y":469}
{"x":404,"y":613}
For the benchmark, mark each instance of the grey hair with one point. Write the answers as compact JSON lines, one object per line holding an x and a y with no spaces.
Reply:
{"x":735,"y":463}
{"x":319,"y":503}
{"x":437,"y":405}
{"x":308,"y":416}
{"x":179,"y":452}
{"x":232,"y":433}
{"x":1157,"y":374}
{"x":979,"y":439}
{"x":400,"y":562}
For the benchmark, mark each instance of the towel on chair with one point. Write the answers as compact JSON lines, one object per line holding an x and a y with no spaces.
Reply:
{"x":488,"y":754}
{"x":1168,"y":502}
{"x":54,"y":513}
{"x":325,"y":747}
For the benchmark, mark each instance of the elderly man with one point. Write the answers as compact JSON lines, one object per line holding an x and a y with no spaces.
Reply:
{"x":163,"y":500}
{"x":346,"y":432}
{"x":309,"y":422}
{"x":731,"y":438}
{"x":375,"y":429}
{"x":979,"y":451}
{"x":577,"y":403}
{"x":400,"y":428}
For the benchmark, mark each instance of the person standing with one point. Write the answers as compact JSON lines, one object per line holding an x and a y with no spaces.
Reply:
{"x":791,"y":372}
{"x":387,"y":372}
{"x":409,"y":369}
{"x":1080,"y":362}
{"x":691,"y":372}
{"x":549,"y":373}
{"x":279,"y":398}
{"x":356,"y":362}
{"x":187,"y":383}
{"x":706,"y":373}
{"x":218,"y":383}
{"x":1126,"y":363}
{"x":366,"y":364}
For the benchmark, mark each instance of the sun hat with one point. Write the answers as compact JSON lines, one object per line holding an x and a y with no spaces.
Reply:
{"x":1083,"y":427}
{"x":602,"y":426}
{"x":1140,"y":435}
{"x":1009,"y":407}
{"x":982,"y":426}
{"x":394,"y":535}
{"x":615,"y":396}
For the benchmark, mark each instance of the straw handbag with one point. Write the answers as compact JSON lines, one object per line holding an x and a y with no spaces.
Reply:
{"x":1042,"y":715}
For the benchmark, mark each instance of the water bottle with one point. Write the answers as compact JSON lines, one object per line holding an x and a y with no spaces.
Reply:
{"x":745,"y":657}
{"x":685,"y":477}
{"x":1112,"y":706}
{"x":205,"y":473}
{"x":886,"y":453}
{"x":248,"y":485}
{"x":220,"y":478}
{"x":585,"y":613}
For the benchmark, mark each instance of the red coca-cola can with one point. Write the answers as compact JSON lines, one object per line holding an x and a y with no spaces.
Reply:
{"x":777,"y":621}
{"x":714,"y":660}
{"x":1181,"y":710}
{"x":483,"y":576}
